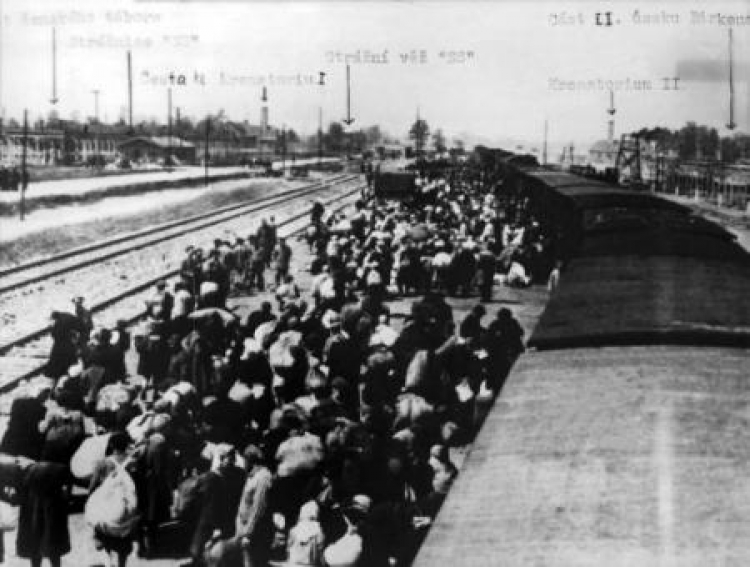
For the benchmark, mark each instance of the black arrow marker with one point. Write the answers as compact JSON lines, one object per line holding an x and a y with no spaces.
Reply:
{"x":732,"y":123}
{"x":348,"y":120}
{"x":54,"y":98}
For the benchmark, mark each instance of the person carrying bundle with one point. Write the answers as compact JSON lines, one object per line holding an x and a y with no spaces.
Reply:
{"x":112,"y":507}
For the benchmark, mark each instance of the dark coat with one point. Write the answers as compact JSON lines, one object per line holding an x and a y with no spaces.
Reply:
{"x":225,"y":421}
{"x":255,"y":319}
{"x":154,"y":480}
{"x":412,"y":338}
{"x":219,"y":498}
{"x":43,"y":515}
{"x":179,"y":365}
{"x":344,"y":358}
{"x":22,"y":436}
{"x":63,"y":353}
{"x":65,"y":433}
{"x":255,"y":369}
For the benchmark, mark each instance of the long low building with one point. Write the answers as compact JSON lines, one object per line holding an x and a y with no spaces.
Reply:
{"x":50,"y":147}
{"x":157,"y":149}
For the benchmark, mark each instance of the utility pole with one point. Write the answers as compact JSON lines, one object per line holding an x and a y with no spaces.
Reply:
{"x":263,"y":123}
{"x":178,"y":127}
{"x":24,"y":172}
{"x":169,"y":127}
{"x":96,"y":104}
{"x":205,"y":151}
{"x":320,"y":136}
{"x":283,"y":149}
{"x":611,"y":111}
{"x":2,"y":84}
{"x":698,"y":148}
{"x":95,"y":139}
{"x":130,"y":92}
{"x":322,"y":83}
{"x":544,"y":147}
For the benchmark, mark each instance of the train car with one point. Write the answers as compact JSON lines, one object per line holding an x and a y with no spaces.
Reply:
{"x":395,"y":185}
{"x":619,"y":438}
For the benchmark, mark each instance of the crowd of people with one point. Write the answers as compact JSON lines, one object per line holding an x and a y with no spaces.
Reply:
{"x":310,"y":432}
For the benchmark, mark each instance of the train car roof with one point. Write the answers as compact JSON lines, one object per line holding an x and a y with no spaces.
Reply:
{"x":656,"y":231}
{"x":562,"y":179}
{"x":606,"y":456}
{"x":588,"y":197}
{"x":591,"y":194}
{"x":650,"y":299}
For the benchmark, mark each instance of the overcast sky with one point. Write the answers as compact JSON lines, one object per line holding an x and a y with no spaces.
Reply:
{"x":514,"y":64}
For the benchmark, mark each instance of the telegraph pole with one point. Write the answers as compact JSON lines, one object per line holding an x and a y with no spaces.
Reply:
{"x":320,"y":136}
{"x":24,"y":172}
{"x":611,"y":111}
{"x":130,"y":91}
{"x":96,"y":104}
{"x":205,"y":151}
{"x":2,"y":84}
{"x":169,"y":127}
{"x":322,"y":83}
{"x":177,"y":125}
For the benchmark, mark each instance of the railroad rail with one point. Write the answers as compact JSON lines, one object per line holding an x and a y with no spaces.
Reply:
{"x":20,"y":308}
{"x":25,"y":353}
{"x":40,"y":269}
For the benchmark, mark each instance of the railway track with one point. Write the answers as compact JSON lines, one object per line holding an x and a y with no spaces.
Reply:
{"x":116,"y":281}
{"x":123,"y":259}
{"x":29,"y":273}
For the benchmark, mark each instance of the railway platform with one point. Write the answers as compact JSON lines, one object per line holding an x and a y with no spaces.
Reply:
{"x":60,"y":187}
{"x":734,"y":220}
{"x":113,"y":183}
{"x":705,"y":207}
{"x":44,"y":218}
{"x":83,"y":551}
{"x":525,"y":303}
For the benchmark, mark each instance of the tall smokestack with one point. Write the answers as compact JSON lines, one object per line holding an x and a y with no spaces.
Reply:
{"x":611,"y":111}
{"x":264,"y":112}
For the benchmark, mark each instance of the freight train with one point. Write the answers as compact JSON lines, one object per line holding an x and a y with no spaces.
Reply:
{"x":620,"y":436}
